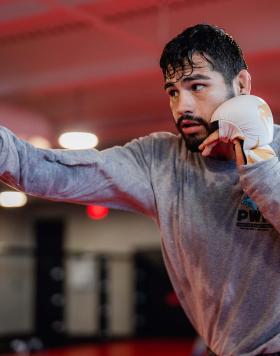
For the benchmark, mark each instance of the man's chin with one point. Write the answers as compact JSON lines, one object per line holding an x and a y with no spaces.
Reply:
{"x":193,"y":142}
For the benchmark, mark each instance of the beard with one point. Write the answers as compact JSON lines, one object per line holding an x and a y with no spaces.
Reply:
{"x":193,"y":141}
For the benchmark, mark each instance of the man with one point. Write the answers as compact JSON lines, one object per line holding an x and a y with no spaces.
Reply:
{"x":222,"y":256}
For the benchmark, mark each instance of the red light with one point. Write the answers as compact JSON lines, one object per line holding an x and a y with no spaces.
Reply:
{"x":97,"y":212}
{"x":172,"y":300}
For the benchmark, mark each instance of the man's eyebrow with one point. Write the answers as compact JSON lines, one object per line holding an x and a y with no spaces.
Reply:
{"x":188,"y":78}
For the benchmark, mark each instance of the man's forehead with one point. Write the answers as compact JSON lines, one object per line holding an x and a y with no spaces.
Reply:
{"x":199,"y":65}
{"x":189,"y":72}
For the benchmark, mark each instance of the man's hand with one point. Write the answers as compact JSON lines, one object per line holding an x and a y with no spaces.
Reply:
{"x":212,"y":140}
{"x":245,"y":121}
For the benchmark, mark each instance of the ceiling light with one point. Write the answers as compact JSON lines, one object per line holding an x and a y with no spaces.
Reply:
{"x":78,"y":140}
{"x":11,"y":199}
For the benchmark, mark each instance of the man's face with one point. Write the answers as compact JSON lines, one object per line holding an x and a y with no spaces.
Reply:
{"x":194,"y":96}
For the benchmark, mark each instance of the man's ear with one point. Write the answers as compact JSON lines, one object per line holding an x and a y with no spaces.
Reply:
{"x":242,"y":82}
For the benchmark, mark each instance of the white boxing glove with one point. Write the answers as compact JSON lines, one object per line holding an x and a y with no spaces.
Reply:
{"x":248,"y":118}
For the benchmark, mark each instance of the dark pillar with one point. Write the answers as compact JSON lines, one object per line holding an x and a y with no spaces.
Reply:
{"x":49,"y":300}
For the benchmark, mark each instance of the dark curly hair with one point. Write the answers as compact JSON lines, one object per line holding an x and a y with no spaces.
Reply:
{"x":212,"y":43}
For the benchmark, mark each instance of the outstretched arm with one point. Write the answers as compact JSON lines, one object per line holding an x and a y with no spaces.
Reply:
{"x":118,"y":177}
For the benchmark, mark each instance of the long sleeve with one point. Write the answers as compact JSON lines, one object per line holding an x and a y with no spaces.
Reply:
{"x":261,"y":181}
{"x":118,"y":177}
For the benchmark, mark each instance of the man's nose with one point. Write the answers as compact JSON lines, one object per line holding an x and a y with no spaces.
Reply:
{"x":185,"y":104}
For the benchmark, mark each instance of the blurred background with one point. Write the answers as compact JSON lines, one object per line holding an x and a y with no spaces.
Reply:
{"x":71,"y":275}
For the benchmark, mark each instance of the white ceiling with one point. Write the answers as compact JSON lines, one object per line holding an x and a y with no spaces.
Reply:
{"x":74,"y":64}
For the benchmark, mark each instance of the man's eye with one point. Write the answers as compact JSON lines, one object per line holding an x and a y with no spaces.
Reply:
{"x":198,"y":87}
{"x":172,"y":93}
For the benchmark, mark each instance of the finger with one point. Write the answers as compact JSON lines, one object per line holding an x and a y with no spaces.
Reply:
{"x":208,"y":149}
{"x":239,"y":154}
{"x":210,"y":139}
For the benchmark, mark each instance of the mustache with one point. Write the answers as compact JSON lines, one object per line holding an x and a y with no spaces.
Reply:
{"x":210,"y":127}
{"x":196,"y":120}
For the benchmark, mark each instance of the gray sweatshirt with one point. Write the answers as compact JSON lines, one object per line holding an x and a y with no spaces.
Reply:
{"x":219,"y":225}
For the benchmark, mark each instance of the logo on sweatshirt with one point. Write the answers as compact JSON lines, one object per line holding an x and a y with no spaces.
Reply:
{"x":249,"y":216}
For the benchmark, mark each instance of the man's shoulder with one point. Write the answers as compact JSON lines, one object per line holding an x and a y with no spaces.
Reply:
{"x":158,"y":145}
{"x":164,"y":135}
{"x":161,"y":138}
